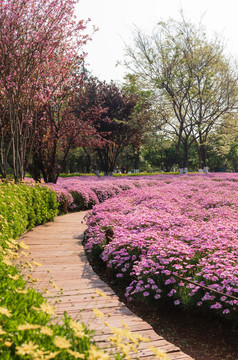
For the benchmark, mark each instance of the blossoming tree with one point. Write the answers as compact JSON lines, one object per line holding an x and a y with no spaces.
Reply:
{"x":41,"y":45}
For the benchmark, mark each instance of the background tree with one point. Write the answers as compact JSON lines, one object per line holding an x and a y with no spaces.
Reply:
{"x":142,"y":118}
{"x":223,"y":145}
{"x":191,"y":76}
{"x":119,"y":124}
{"x":61,"y":127}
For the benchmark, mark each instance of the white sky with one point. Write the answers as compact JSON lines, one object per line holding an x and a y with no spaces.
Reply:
{"x":116,"y":19}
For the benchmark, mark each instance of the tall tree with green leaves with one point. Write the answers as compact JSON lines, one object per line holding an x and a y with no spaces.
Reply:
{"x":191,"y":76}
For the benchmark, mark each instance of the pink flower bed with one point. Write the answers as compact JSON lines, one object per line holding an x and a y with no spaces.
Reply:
{"x":171,"y":239}
{"x":85,"y":191}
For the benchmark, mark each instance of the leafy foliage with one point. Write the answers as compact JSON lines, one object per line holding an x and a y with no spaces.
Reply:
{"x":23,"y":207}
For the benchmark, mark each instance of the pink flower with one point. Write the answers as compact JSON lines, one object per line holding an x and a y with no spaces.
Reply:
{"x":217,"y":305}
{"x":119,"y":275}
{"x":157,"y":296}
{"x":173,"y":291}
{"x":226,"y":311}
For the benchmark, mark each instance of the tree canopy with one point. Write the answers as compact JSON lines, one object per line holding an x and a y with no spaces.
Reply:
{"x":41,"y":47}
{"x":194,"y":82}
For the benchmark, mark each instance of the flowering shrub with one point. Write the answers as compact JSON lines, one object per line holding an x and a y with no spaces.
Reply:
{"x":81,"y":193}
{"x":175,"y":240}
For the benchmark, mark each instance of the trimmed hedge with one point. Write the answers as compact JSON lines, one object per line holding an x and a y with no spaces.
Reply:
{"x":22,"y":207}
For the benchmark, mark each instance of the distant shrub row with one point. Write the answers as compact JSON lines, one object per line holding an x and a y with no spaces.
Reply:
{"x":64,"y":175}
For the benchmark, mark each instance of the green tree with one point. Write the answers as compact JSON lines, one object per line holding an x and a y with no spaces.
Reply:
{"x":195,"y":84}
{"x":223,"y":144}
{"x":120,"y":122}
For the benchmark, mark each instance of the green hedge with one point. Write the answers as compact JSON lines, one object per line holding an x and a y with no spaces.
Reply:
{"x":22,"y":207}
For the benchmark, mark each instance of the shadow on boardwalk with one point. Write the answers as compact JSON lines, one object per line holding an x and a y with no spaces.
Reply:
{"x":69,"y":283}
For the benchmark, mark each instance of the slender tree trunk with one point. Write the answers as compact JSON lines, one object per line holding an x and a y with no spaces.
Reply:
{"x":186,"y":154}
{"x":91,"y":162}
{"x":136,"y":158}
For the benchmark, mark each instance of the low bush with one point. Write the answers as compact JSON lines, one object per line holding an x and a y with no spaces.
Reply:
{"x":23,"y":207}
{"x":81,"y":193}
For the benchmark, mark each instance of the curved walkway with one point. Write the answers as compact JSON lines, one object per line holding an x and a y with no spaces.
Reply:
{"x":69,"y":283}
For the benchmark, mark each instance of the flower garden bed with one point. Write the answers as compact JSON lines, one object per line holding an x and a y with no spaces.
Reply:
{"x":173,"y":242}
{"x":81,"y":193}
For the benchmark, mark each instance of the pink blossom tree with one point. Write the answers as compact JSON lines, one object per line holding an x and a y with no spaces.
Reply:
{"x":41,"y":45}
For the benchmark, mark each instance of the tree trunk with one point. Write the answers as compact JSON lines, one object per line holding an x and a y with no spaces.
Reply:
{"x":136,"y":159}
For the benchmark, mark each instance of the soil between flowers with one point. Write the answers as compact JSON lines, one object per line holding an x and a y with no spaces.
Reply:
{"x":202,"y":336}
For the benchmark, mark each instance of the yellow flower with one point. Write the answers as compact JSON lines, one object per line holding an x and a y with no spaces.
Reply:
{"x":75,"y":325}
{"x":55,"y":286}
{"x":26,"y":348}
{"x":132,"y":347}
{"x":13,"y":277}
{"x":28,"y":327}
{"x":141,"y":338}
{"x":124,"y":324}
{"x":46,"y":330}
{"x":125,"y":333}
{"x":6,"y":261}
{"x":5,"y":311}
{"x":47,"y":308}
{"x":9,"y":252}
{"x":61,"y":342}
{"x":11,"y":245}
{"x":15,"y":242}
{"x":98,"y":313}
{"x":2,"y":332}
{"x":161,"y":355}
{"x":23,"y":245}
{"x":38,"y":354}
{"x":51,"y":355}
{"x":125,"y":349}
{"x":76,"y":354}
{"x":78,"y":329}
{"x":29,"y":265}
{"x":19,"y":291}
{"x":116,"y":340}
{"x":36,"y":263}
{"x":23,"y":253}
{"x":96,"y":354}
{"x":100,"y":293}
{"x":8,"y":343}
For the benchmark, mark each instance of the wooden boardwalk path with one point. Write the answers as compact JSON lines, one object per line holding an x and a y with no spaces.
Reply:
{"x":57,"y":246}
